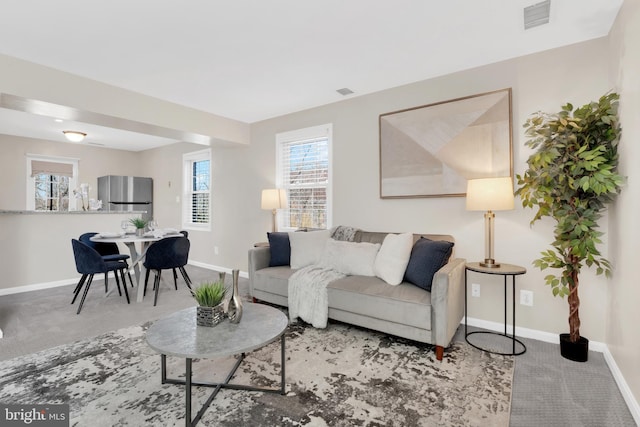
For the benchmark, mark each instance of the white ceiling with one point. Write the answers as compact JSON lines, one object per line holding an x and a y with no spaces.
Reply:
{"x":254,"y":59}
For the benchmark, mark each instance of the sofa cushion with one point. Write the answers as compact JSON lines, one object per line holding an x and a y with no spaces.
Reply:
{"x":279,"y":248}
{"x":307,"y":247}
{"x":393,"y":257}
{"x":350,"y":257}
{"x":274,"y":280}
{"x":370,"y":296}
{"x":427,"y":257}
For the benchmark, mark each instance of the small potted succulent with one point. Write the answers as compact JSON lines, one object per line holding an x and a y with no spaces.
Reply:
{"x":139,"y":224}
{"x":210,"y":299}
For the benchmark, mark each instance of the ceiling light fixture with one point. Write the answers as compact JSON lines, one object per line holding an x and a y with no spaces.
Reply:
{"x":74,"y":135}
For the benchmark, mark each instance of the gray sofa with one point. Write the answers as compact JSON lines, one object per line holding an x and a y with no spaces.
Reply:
{"x":404,"y":310}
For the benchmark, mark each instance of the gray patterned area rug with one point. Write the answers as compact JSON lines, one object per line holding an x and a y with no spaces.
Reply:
{"x":339,"y":376}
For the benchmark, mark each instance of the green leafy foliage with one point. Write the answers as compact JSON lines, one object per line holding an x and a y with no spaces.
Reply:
{"x":138,"y":222}
{"x":571,"y":178}
{"x":210,"y":294}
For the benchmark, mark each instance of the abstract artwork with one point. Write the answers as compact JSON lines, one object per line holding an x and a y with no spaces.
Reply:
{"x":432,"y":150}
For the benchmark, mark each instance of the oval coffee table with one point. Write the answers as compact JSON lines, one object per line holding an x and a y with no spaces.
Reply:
{"x":179,"y":335}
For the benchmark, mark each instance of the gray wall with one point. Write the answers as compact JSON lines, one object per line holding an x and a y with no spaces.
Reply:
{"x":542,"y":81}
{"x":623,"y":316}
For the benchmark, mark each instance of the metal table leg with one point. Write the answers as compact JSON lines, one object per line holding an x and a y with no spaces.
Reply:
{"x":189,"y":383}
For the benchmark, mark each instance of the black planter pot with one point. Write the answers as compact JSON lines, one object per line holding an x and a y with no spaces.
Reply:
{"x":576,"y":351}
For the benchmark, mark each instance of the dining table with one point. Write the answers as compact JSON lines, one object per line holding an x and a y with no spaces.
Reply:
{"x":137,"y":256}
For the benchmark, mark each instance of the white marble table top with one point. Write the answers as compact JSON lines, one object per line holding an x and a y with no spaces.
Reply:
{"x":179,"y":335}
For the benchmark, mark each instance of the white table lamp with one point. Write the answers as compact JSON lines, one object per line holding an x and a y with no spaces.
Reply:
{"x":489,"y":194}
{"x":274,"y":199}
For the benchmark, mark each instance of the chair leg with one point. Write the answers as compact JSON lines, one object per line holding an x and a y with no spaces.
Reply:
{"x":84,"y":295}
{"x":124,"y":286}
{"x":129,"y":273}
{"x":146,"y":280}
{"x":185,"y":276}
{"x":78,"y":287}
{"x":115,"y":274}
{"x":156,"y":285}
{"x":175,"y":279}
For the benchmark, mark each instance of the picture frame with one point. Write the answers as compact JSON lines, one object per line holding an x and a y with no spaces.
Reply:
{"x":432,"y":150}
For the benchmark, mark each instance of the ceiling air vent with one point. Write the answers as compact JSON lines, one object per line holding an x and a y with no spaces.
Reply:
{"x":537,"y":14}
{"x":344,"y":91}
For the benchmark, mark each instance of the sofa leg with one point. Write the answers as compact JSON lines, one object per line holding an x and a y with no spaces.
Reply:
{"x":439,"y":352}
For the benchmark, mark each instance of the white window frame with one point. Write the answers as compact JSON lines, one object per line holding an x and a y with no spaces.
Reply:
{"x":320,"y":131}
{"x":187,"y":167}
{"x":31,"y":181}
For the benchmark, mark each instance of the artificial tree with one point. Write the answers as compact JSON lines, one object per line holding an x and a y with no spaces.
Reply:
{"x":571,"y":178}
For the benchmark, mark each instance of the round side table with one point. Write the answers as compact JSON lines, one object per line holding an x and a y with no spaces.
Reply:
{"x":504,"y":270}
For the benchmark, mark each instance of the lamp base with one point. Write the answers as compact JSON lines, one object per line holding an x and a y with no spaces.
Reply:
{"x":489,"y":263}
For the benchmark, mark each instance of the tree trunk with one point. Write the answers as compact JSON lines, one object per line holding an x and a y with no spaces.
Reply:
{"x":574,"y":305}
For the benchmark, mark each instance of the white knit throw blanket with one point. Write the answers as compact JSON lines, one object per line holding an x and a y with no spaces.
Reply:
{"x":308,"y":294}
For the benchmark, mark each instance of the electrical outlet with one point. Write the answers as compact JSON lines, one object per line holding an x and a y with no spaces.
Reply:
{"x":526,"y":298}
{"x":475,"y":290}
{"x":215,"y":250}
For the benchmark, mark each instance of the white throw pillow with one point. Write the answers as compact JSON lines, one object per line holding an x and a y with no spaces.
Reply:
{"x":393,"y":258}
{"x":307,"y":247}
{"x":350,"y":258}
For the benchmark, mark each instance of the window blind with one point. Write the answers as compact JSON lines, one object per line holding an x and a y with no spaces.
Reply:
{"x":305,"y":177}
{"x":200,"y":192}
{"x":51,"y":168}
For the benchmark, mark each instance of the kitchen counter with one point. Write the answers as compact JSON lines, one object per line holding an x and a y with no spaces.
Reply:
{"x":38,"y":252}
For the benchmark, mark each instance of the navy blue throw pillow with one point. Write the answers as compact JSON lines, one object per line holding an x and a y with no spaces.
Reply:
{"x":280,"y":249}
{"x":427,"y":257}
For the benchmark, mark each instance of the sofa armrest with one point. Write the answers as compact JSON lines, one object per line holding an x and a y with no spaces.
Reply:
{"x":447,"y":301}
{"x":259,"y":258}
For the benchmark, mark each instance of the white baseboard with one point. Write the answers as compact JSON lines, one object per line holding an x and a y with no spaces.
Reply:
{"x":58,"y":283}
{"x":529,"y":333}
{"x":632,"y":403}
{"x":38,"y":286}
{"x":600,"y":347}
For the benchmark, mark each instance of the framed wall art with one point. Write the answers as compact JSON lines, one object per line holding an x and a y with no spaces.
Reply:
{"x":432,"y":150}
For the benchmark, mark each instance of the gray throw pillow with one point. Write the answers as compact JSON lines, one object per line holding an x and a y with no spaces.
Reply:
{"x":427,"y":257}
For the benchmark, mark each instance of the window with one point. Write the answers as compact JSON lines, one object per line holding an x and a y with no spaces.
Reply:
{"x":303,"y":168}
{"x":51,"y":182}
{"x":197,"y":190}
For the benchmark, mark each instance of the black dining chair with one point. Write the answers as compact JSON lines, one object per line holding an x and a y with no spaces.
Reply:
{"x":88,"y":263}
{"x":185,"y":233}
{"x":109,"y":252}
{"x":167,"y":254}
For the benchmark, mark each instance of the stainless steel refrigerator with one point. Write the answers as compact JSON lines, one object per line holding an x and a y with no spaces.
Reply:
{"x":126,"y":194}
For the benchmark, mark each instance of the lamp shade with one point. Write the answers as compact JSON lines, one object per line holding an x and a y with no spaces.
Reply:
{"x":273,"y":198}
{"x":490,"y":194}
